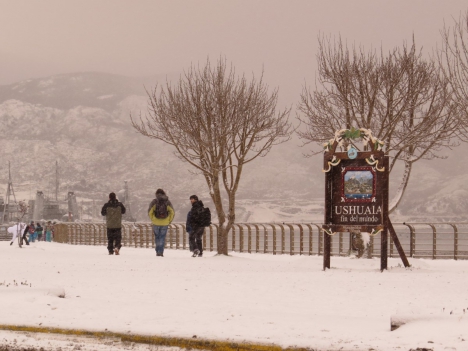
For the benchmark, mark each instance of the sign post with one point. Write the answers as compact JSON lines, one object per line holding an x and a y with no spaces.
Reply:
{"x":356,"y":191}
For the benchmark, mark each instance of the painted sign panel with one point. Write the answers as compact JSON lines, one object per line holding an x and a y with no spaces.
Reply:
{"x":355,"y":195}
{"x":358,"y":183}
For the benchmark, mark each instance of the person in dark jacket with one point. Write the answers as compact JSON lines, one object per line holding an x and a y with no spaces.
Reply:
{"x":30,"y":227}
{"x":197,"y":229}
{"x":113,"y":210}
{"x":39,"y":231}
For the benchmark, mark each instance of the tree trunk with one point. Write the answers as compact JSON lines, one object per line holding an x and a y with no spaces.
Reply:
{"x":402,"y":188}
{"x":222,"y":240}
{"x":217,"y":200}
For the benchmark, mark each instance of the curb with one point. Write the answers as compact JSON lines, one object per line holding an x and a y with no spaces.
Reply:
{"x":184,"y":343}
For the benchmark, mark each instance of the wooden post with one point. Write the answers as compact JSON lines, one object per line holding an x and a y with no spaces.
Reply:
{"x":397,"y":243}
{"x":386,"y":219}
{"x":326,"y":250}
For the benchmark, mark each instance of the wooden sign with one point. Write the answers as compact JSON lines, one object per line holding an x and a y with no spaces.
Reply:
{"x":356,"y":190}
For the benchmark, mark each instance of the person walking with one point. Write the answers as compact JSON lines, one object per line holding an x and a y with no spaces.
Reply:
{"x":161,"y":212}
{"x":48,"y":231}
{"x":113,"y":210}
{"x":53,"y":230}
{"x":16,"y":231}
{"x":199,"y":218}
{"x":39,"y":231}
{"x":29,"y":229}
{"x":32,"y":232}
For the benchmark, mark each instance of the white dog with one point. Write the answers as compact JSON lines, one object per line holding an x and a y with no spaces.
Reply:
{"x":16,"y":230}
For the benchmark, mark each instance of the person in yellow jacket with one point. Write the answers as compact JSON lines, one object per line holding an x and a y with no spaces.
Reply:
{"x":161,"y":212}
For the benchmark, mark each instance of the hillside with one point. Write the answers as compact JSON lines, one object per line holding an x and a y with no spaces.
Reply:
{"x":82,"y":121}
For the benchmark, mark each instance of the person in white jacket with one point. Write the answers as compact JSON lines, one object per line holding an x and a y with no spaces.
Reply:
{"x":16,"y":230}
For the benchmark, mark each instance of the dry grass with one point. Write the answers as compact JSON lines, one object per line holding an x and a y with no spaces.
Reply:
{"x":185,"y":343}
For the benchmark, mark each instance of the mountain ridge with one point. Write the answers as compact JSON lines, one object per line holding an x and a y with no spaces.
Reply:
{"x":82,"y":121}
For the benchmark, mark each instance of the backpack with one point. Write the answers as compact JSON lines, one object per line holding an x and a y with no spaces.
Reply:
{"x":113,"y":218}
{"x":160,"y":210}
{"x":204,"y":217}
{"x":31,"y":229}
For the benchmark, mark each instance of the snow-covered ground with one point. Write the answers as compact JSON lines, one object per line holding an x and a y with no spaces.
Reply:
{"x":286,"y":300}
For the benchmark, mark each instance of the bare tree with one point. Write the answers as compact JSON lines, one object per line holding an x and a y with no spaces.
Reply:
{"x":402,"y":97}
{"x":453,"y":59}
{"x":217,"y":122}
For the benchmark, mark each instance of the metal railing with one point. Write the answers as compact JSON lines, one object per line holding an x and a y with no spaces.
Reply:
{"x":419,"y":240}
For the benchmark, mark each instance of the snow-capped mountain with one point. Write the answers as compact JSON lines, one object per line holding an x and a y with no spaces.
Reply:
{"x":82,"y":121}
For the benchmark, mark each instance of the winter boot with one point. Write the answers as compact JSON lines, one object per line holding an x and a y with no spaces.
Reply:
{"x":116,"y":250}
{"x":195,"y":253}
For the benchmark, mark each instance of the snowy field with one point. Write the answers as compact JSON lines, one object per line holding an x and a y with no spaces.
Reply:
{"x":285,"y":300}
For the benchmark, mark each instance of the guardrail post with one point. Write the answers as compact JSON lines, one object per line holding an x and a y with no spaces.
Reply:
{"x":370,"y":248}
{"x":434,"y":241}
{"x":147,"y":235}
{"x":455,"y":241}
{"x":265,"y":239}
{"x":274,"y":238}
{"x":137,"y":235}
{"x":140,"y":236}
{"x":171,"y":236}
{"x":249,"y":238}
{"x":94,"y":235}
{"x":292,"y":235}
{"x":320,"y":243}
{"x":412,"y":238}
{"x":125,"y":237}
{"x":340,"y":243}
{"x":184,"y":237}
{"x":177,"y":238}
{"x":211,"y":237}
{"x":204,"y":238}
{"x":301,"y":239}
{"x":283,"y":242}
{"x":257,"y":238}
{"x":241,"y":237}
{"x":311,"y":238}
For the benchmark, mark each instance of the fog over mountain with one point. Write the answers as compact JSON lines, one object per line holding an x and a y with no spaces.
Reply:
{"x":82,"y":121}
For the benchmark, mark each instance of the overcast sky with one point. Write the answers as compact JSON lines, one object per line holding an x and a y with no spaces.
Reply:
{"x":139,"y":37}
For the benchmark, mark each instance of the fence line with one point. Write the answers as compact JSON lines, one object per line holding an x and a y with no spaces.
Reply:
{"x":419,"y":240}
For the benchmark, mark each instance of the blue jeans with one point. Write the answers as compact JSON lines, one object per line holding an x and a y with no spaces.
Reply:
{"x":160,"y":237}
